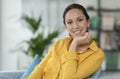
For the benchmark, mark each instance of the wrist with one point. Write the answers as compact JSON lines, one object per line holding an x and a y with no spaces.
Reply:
{"x":73,"y":46}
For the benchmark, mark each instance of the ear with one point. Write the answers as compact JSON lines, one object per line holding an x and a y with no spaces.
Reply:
{"x":88,"y":23}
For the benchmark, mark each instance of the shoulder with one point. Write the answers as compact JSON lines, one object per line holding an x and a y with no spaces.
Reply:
{"x":62,"y":41}
{"x":61,"y":44}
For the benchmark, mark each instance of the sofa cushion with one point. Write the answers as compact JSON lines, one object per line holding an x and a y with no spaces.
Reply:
{"x":11,"y":74}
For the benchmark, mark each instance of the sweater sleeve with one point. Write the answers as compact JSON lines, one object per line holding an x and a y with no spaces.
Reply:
{"x":75,"y":70}
{"x":37,"y":73}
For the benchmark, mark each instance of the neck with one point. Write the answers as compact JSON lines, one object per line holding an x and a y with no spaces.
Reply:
{"x":83,"y":47}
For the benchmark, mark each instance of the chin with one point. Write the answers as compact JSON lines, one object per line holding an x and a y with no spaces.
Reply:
{"x":76,"y":36}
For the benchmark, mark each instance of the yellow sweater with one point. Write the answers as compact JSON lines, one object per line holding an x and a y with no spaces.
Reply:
{"x":59,"y":63}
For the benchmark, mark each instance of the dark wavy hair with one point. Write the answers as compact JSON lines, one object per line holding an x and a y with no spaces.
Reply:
{"x":75,"y":6}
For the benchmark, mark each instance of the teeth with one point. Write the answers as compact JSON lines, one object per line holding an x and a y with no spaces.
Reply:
{"x":77,"y":32}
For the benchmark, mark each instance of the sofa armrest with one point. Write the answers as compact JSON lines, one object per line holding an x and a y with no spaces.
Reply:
{"x":11,"y":74}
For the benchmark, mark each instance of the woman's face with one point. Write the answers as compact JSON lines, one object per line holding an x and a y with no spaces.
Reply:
{"x":76,"y":22}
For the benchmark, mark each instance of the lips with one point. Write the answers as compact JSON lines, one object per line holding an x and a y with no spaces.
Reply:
{"x":77,"y":32}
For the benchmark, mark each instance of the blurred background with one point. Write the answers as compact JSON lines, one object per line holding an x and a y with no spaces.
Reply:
{"x":18,"y":16}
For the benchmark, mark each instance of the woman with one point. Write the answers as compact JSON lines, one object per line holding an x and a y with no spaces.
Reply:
{"x":74,"y":57}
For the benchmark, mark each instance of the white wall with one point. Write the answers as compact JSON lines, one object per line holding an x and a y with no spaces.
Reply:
{"x":0,"y":33}
{"x":10,"y":32}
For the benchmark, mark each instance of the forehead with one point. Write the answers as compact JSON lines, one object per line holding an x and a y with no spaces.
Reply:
{"x":73,"y":13}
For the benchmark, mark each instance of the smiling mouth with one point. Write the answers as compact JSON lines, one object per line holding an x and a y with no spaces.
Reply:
{"x":78,"y":32}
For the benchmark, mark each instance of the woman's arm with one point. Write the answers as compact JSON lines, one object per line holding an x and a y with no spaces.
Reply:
{"x":75,"y":70}
{"x":37,"y":73}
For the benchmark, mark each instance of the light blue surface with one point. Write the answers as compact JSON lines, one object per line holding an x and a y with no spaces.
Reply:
{"x":35,"y":61}
{"x":11,"y":74}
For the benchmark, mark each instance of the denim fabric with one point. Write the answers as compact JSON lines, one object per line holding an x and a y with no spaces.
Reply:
{"x":35,"y":61}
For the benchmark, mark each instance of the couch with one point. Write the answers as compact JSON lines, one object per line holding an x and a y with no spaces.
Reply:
{"x":11,"y":74}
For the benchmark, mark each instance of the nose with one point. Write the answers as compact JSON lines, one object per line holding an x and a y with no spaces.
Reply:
{"x":75,"y":25}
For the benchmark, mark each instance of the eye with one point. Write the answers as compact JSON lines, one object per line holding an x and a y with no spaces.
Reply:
{"x":69,"y":22}
{"x":79,"y":20}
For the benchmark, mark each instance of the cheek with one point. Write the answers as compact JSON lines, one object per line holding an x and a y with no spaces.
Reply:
{"x":85,"y":29}
{"x":68,"y":27}
{"x":85,"y":26}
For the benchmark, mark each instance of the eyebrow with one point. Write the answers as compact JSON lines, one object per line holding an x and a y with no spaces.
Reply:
{"x":80,"y":17}
{"x":77,"y":18}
